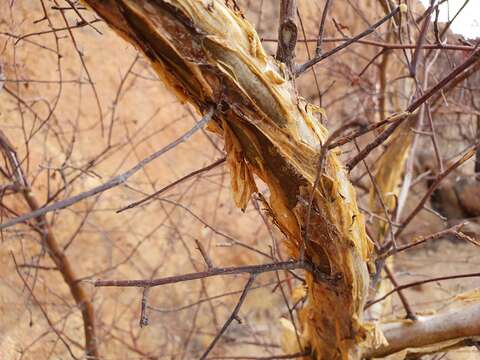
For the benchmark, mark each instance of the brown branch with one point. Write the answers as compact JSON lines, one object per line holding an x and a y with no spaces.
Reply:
{"x":204,"y":254}
{"x":406,"y":305}
{"x":462,"y":323}
{"x":454,"y":230}
{"x":233,"y":316}
{"x":365,"y":129}
{"x":173,"y":184}
{"x":471,"y":60}
{"x":53,"y":249}
{"x":421,"y":40}
{"x":69,"y":27}
{"x":386,"y":45}
{"x":321,"y":30}
{"x":248,"y":269}
{"x":380,"y":139}
{"x":208,"y":299}
{"x":308,"y":64}
{"x":114,"y":182}
{"x":421,"y":282}
{"x":287,"y":32}
{"x":459,"y":79}
{"x":315,"y":77}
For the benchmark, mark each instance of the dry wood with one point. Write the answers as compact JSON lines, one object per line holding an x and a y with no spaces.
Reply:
{"x":210,"y":55}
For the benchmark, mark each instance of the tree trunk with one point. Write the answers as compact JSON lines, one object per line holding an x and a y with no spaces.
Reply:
{"x":212,"y":57}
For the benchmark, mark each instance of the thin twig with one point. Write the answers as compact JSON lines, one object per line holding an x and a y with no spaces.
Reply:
{"x":173,"y":184}
{"x":114,"y":182}
{"x":308,"y":64}
{"x":233,"y":316}
{"x":55,"y":252}
{"x":204,"y":254}
{"x":321,"y":30}
{"x":421,"y":282}
{"x":406,"y":305}
{"x":454,"y":230}
{"x":420,"y":42}
{"x":385,"y":45}
{"x":248,"y":269}
{"x":380,"y":139}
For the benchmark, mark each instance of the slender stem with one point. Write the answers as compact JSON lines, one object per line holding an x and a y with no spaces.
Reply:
{"x":173,"y":184}
{"x":421,"y":282}
{"x":380,"y":139}
{"x":321,"y":30}
{"x":308,"y":64}
{"x":54,"y":250}
{"x":233,"y":316}
{"x":406,"y":305}
{"x":248,"y":269}
{"x":386,"y":45}
{"x":114,"y":182}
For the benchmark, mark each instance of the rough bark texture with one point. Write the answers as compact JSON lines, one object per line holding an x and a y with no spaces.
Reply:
{"x":211,"y":56}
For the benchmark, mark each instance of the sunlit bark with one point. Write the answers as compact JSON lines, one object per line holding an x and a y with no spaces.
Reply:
{"x":211,"y":56}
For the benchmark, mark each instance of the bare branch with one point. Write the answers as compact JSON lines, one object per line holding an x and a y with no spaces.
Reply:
{"x":305,"y":66}
{"x":459,"y":324}
{"x":117,"y":180}
{"x":421,"y":282}
{"x":287,"y":32}
{"x":321,"y":30}
{"x":204,"y":253}
{"x":57,"y":255}
{"x":249,"y":269}
{"x":380,"y":139}
{"x":173,"y":184}
{"x":406,"y":304}
{"x":233,"y":316}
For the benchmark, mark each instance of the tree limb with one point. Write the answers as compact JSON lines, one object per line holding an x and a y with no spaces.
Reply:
{"x":429,"y":331}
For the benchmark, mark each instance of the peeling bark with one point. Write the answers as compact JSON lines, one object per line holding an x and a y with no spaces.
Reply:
{"x":210,"y":55}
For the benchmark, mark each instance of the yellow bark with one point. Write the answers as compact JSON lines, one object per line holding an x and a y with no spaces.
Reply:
{"x":211,"y":56}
